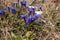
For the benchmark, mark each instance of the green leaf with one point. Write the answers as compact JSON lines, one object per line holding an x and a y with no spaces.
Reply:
{"x":19,"y":38}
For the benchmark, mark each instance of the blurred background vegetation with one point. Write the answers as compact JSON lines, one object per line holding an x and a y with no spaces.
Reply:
{"x":47,"y":27}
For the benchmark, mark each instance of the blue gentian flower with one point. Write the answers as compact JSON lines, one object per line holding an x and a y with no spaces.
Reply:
{"x":30,"y":10}
{"x":13,"y":10}
{"x":29,"y":19}
{"x":36,"y":16}
{"x":39,"y":7}
{"x":8,"y":7}
{"x":2,"y":11}
{"x":24,"y":16}
{"x":33,"y":9}
{"x":23,"y":3}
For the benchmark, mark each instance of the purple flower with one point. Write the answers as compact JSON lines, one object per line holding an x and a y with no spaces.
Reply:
{"x":29,"y":19}
{"x":39,"y":7}
{"x":36,"y":16}
{"x":13,"y":10}
{"x":24,"y":16}
{"x":2,"y":11}
{"x":23,"y":3}
{"x":33,"y":9}
{"x":30,"y":10}
{"x":8,"y":7}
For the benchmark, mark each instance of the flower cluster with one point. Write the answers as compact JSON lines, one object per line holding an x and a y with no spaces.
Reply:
{"x":13,"y":10}
{"x":2,"y":11}
{"x":28,"y":18}
{"x":31,"y":16}
{"x":23,"y":3}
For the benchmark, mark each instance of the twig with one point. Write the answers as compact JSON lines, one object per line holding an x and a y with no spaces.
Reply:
{"x":6,"y":33}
